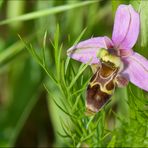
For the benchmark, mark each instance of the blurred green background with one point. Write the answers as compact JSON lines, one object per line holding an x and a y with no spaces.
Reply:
{"x":28,"y":117}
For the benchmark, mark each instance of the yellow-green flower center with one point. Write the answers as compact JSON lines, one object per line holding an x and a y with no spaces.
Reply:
{"x":107,"y":57}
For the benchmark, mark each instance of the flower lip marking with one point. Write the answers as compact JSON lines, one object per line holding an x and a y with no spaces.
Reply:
{"x":102,"y":84}
{"x":115,"y":54}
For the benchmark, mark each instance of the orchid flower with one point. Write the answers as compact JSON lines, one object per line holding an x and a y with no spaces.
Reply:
{"x":134,"y":67}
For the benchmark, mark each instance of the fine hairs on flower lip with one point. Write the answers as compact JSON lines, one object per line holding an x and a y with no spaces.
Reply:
{"x":124,"y":37}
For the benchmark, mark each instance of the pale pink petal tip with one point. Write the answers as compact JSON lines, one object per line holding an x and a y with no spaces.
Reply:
{"x":126,"y":27}
{"x":137,"y":70}
{"x":86,"y":51}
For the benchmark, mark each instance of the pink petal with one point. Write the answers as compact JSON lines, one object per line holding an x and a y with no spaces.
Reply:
{"x":125,"y":52}
{"x":86,"y":51}
{"x":137,"y":70}
{"x":126,"y":27}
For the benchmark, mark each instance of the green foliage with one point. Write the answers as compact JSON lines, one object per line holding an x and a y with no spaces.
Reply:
{"x":71,"y":83}
{"x":81,"y":129}
{"x":121,"y":123}
{"x":11,"y":125}
{"x":41,"y":13}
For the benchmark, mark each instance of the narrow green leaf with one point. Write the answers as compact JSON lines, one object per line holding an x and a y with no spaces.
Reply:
{"x":81,"y":69}
{"x":144,"y":24}
{"x":41,"y":13}
{"x":77,"y":40}
{"x":1,"y":2}
{"x":112,"y":142}
{"x":23,"y":100}
{"x":80,"y":36}
{"x":12,"y":51}
{"x":39,"y":61}
{"x":72,"y":116}
{"x":44,"y":48}
{"x":56,"y":51}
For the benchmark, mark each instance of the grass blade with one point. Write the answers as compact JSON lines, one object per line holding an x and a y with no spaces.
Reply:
{"x":41,"y":13}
